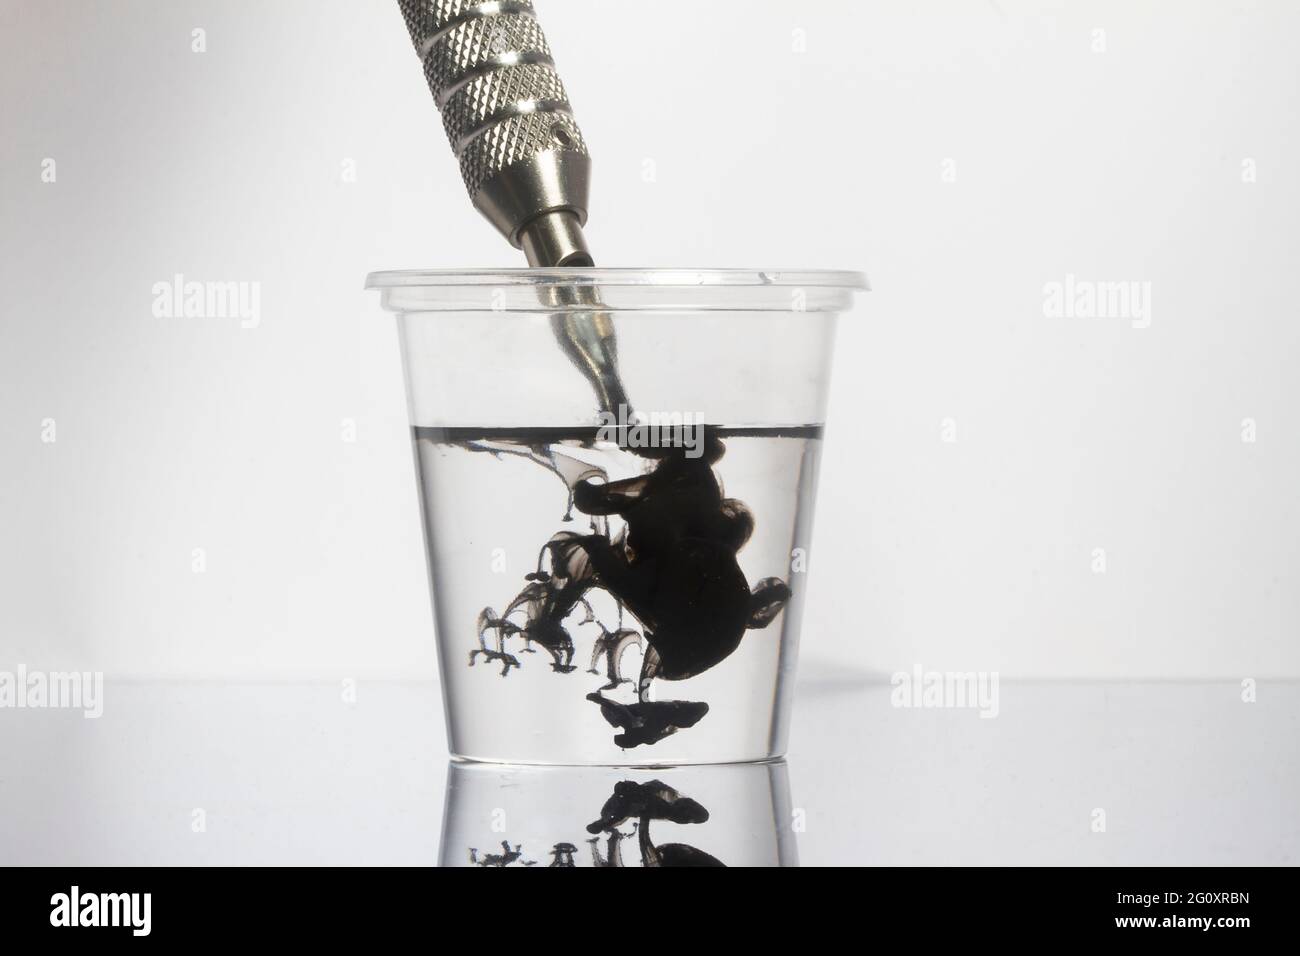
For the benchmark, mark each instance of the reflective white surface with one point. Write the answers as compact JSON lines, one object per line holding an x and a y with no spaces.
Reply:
{"x":295,"y":773}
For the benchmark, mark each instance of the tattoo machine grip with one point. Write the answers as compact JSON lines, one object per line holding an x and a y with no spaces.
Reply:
{"x":508,"y":120}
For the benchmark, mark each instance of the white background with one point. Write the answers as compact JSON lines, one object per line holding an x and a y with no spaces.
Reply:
{"x":771,"y":148}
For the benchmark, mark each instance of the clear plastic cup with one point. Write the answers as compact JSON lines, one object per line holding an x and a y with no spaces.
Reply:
{"x":617,"y":585}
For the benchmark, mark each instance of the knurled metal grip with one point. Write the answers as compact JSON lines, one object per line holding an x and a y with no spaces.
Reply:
{"x":506,"y":115}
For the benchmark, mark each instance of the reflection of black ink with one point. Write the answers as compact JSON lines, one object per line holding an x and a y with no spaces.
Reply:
{"x":562,"y":856}
{"x":652,"y":801}
{"x":638,"y":802}
{"x":673,"y":565}
{"x":504,"y":858}
{"x":613,"y":856}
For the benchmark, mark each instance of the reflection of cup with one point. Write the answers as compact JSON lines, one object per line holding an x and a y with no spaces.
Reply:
{"x":623,"y":587}
{"x":704,"y":815}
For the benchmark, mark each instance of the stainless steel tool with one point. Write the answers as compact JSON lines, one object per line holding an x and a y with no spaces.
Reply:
{"x":522,"y":155}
